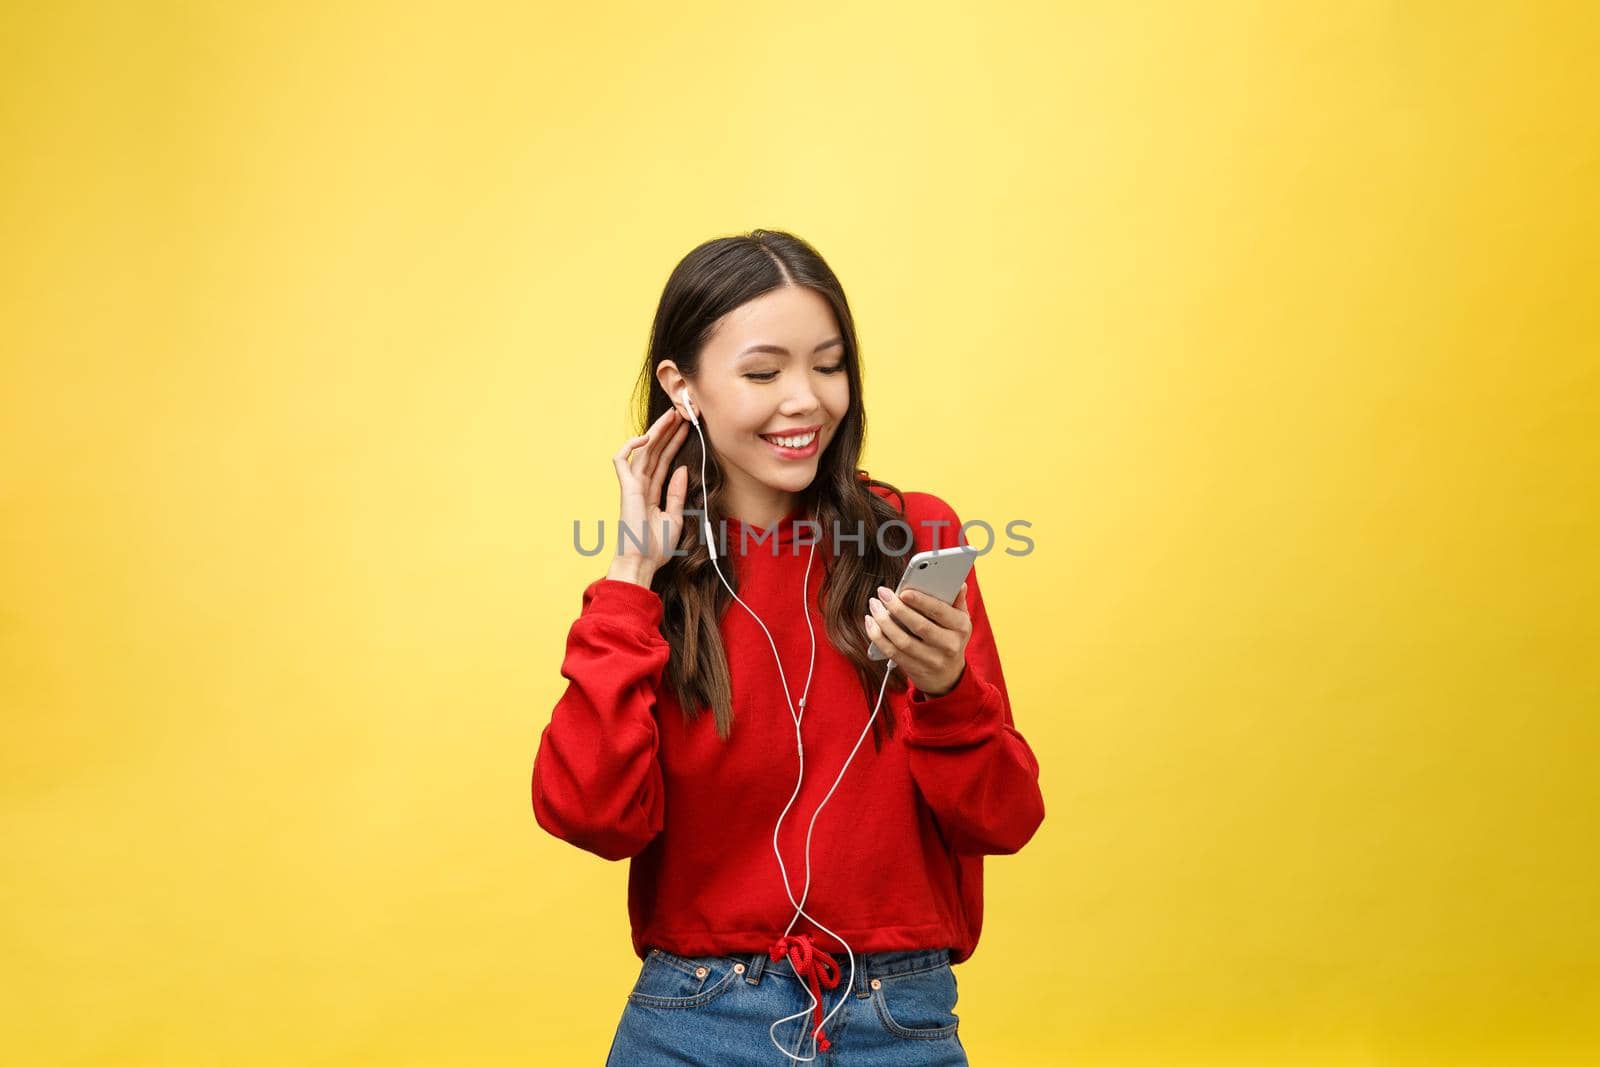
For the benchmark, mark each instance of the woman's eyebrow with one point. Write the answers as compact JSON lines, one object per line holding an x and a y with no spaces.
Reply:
{"x":779,"y":350}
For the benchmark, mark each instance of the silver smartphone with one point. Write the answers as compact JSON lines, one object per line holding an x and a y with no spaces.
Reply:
{"x":939,"y":574}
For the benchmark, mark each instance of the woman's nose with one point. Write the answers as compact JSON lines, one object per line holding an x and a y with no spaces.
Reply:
{"x":800,"y":402}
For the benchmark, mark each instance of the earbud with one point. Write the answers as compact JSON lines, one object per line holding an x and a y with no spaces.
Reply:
{"x":705,"y":518}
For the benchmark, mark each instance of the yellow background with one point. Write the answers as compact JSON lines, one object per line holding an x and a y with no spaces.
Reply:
{"x":1278,"y":322}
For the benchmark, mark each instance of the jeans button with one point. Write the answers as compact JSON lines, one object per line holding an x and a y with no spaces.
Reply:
{"x":738,"y":968}
{"x":876,"y":983}
{"x":701,"y":972}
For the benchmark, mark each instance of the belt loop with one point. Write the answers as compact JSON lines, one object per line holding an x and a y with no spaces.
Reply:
{"x":758,"y":964}
{"x":860,"y":984}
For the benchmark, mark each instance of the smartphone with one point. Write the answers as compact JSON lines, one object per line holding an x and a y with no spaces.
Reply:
{"x":939,"y":574}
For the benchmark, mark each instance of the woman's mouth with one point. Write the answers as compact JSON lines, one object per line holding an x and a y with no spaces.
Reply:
{"x":795,"y":445}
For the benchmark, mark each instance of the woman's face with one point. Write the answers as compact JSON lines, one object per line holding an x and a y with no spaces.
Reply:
{"x":774,"y":367}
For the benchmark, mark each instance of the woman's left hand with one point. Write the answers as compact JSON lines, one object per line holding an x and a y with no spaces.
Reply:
{"x":925,"y":638}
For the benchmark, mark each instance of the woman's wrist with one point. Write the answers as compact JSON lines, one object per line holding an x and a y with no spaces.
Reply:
{"x":631,"y":569}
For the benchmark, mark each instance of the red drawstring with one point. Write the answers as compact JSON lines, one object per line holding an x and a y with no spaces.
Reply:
{"x":812,"y":964}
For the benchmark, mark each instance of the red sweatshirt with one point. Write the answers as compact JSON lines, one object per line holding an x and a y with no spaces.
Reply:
{"x":897,"y":853}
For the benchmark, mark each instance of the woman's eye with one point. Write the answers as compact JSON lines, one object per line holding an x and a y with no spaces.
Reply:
{"x":767,"y":376}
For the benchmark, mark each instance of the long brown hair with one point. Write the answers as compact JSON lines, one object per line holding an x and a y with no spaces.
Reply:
{"x":709,"y":282}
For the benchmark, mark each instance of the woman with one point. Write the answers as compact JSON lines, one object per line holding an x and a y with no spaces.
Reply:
{"x":753,"y":341}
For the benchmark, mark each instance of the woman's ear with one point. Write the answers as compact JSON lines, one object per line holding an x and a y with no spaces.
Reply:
{"x":674,"y":383}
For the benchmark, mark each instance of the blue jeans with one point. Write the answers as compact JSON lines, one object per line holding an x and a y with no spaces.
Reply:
{"x":716,"y":1010}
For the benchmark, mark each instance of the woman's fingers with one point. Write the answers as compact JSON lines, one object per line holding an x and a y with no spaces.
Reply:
{"x":625,"y":458}
{"x":628,"y":446}
{"x":885,"y":646}
{"x":641,"y":456}
{"x":943,"y":631}
{"x":896,"y":640}
{"x":662,"y":461}
{"x":903,"y":649}
{"x":675,"y":442}
{"x":950,"y":616}
{"x":677,"y":489}
{"x":908,"y":618}
{"x":620,"y":460}
{"x":660,"y":432}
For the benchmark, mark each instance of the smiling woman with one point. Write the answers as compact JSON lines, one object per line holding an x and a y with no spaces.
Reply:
{"x":754,"y":347}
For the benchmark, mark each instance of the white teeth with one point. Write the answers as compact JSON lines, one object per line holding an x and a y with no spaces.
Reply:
{"x":792,"y":442}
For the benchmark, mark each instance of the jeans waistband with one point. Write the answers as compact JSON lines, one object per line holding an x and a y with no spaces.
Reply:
{"x":868,"y":965}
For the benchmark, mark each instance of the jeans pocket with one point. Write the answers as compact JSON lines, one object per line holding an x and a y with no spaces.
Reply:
{"x":667,"y":980}
{"x":920,"y":1005}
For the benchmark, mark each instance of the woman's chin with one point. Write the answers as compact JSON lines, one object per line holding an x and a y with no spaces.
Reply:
{"x":791,"y":481}
{"x":795,"y":476}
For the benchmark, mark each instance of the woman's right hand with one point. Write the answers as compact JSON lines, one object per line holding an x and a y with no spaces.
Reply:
{"x":642,"y":464}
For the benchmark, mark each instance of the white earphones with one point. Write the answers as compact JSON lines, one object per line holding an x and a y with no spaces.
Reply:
{"x":805,"y":609}
{"x":705,"y":517}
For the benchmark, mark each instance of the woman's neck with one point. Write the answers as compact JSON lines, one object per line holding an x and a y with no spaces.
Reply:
{"x":761,"y":509}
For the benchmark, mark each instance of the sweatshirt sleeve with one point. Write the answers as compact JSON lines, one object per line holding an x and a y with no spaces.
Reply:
{"x":596,"y":778}
{"x":972,"y":766}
